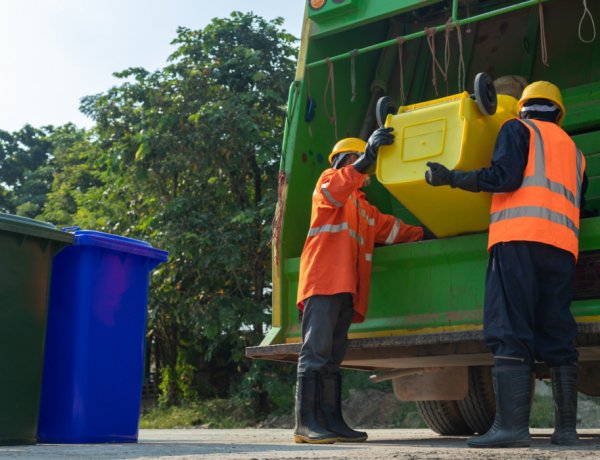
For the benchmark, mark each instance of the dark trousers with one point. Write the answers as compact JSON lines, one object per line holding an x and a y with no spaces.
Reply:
{"x":528,"y":293}
{"x":325,"y":325}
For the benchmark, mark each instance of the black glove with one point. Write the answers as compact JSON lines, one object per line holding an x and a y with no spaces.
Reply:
{"x":428,"y":234}
{"x":438,"y":174}
{"x":381,"y":136}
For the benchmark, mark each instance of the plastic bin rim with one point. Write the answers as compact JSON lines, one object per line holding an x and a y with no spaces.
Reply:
{"x":31,"y":227}
{"x":118,"y":243}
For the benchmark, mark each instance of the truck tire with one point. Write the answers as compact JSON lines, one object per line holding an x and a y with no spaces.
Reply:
{"x":444,"y":418}
{"x":479,"y":406}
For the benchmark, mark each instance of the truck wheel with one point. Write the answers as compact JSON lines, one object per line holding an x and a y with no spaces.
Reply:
{"x":479,"y":406}
{"x":444,"y":418}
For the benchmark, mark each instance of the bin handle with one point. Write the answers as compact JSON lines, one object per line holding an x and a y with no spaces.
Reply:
{"x":73,"y":229}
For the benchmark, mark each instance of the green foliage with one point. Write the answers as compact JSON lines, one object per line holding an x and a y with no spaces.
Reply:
{"x":215,"y":413}
{"x":407,"y":416}
{"x":542,"y":411}
{"x":271,"y":387}
{"x":185,"y":158}
{"x":25,"y":171}
{"x":359,"y":380}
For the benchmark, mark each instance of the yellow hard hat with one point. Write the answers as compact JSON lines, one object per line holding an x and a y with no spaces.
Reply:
{"x":543,"y":90}
{"x":349,"y":144}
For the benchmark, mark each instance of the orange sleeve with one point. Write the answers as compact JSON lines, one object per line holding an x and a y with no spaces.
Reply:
{"x":391,"y":230}
{"x":336,"y":185}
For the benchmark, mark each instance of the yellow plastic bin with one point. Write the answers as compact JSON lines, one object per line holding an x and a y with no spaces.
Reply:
{"x":451,"y":131}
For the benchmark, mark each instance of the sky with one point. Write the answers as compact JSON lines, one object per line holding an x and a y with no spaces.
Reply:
{"x":54,"y":52}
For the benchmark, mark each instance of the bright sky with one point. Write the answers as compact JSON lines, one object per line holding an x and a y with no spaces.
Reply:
{"x":54,"y":52}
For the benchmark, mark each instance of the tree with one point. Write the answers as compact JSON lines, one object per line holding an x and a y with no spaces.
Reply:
{"x":192,"y":152}
{"x":25,"y":170}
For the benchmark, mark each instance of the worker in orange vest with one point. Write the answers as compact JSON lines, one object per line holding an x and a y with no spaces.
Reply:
{"x":537,"y":179}
{"x":333,"y":289}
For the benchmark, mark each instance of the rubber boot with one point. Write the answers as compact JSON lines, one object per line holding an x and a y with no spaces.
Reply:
{"x":331,"y":410}
{"x":564,"y":390}
{"x":308,"y":429}
{"x":512,"y":386}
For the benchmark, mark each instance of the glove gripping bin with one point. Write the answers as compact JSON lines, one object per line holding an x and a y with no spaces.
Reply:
{"x":451,"y":131}
{"x":94,"y":360}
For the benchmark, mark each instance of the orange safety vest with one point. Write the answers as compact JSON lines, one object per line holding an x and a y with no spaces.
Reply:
{"x":545,"y":208}
{"x":344,"y":227}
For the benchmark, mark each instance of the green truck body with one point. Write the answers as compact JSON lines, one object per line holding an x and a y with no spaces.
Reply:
{"x":424,"y":324}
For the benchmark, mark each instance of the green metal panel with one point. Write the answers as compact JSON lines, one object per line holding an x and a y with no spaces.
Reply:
{"x":428,"y":284}
{"x":339,"y":15}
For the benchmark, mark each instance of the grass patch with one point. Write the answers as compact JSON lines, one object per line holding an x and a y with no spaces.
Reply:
{"x":408,"y":416}
{"x":542,"y":412}
{"x":216,"y":413}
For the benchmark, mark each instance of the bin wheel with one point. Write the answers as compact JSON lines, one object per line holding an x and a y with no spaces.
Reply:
{"x":485,"y":94}
{"x":384,"y":107}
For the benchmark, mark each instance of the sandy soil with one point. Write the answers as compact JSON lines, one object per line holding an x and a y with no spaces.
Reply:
{"x":261,"y":444}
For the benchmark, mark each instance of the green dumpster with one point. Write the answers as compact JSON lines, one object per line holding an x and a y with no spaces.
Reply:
{"x":26,"y":250}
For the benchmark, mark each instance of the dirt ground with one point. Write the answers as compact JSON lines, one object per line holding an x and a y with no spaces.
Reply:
{"x":255,"y":444}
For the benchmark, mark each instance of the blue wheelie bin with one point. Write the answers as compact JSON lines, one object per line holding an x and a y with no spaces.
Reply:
{"x":94,"y":356}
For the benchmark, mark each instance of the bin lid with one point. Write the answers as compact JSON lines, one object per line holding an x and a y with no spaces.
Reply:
{"x":117,"y":243}
{"x":31,"y":227}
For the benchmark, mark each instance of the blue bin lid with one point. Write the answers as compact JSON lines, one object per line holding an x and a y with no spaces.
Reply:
{"x":116,"y":243}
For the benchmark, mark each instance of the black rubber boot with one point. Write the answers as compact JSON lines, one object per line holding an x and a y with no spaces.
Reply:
{"x":331,"y":410}
{"x":564,"y":390}
{"x":308,"y":429}
{"x":512,"y":386}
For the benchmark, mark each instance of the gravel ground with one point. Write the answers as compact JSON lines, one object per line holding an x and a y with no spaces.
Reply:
{"x":255,"y":444}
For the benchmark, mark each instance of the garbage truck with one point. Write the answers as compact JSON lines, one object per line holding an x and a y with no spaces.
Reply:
{"x":417,"y":65}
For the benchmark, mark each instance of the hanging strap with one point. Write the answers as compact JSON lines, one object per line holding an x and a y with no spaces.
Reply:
{"x":330,"y":82}
{"x":401,"y":64}
{"x":447,"y":56}
{"x":543,"y":44}
{"x":353,"y":55}
{"x":430,"y":35}
{"x":586,"y":12}
{"x":277,"y":221}
{"x":461,"y":60}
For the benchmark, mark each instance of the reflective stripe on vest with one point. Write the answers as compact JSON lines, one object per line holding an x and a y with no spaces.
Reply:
{"x":535,"y":211}
{"x":330,"y":228}
{"x":539,"y":179}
